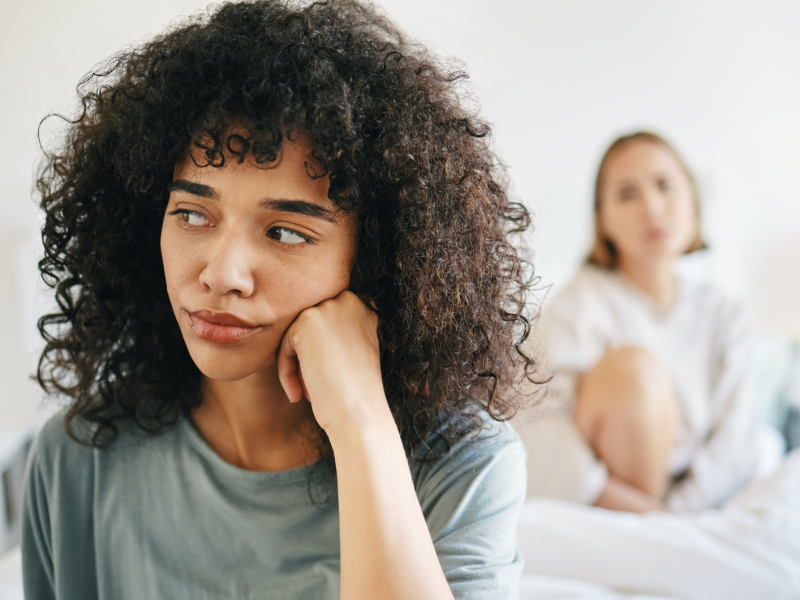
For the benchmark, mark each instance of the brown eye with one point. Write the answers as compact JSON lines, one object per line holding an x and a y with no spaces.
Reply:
{"x":194,"y":218}
{"x":664,"y":185}
{"x":286,"y":236}
{"x":627,"y":193}
{"x":191,"y":217}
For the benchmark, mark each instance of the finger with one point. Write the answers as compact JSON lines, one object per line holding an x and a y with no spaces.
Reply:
{"x":368,"y":309}
{"x":288,"y":368}
{"x":302,"y":383}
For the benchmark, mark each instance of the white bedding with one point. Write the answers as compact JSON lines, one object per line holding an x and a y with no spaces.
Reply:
{"x":748,"y":550}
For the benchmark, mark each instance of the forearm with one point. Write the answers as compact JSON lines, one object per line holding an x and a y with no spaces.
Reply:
{"x":386,"y":549}
{"x":618,"y":495}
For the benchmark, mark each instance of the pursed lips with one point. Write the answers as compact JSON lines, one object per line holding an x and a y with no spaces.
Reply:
{"x":220,"y":328}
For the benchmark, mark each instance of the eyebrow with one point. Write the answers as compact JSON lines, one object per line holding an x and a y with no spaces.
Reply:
{"x":625,"y":183}
{"x":196,"y":189}
{"x":300,"y":207}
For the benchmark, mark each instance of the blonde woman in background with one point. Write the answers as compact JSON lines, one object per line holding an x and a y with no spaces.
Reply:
{"x":651,"y":406}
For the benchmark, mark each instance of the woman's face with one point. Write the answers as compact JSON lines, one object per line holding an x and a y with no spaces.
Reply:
{"x":245,"y":250}
{"x":647,"y":205}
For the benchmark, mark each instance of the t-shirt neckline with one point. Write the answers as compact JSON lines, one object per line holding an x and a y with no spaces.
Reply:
{"x":288,"y":476}
{"x":659,"y":314}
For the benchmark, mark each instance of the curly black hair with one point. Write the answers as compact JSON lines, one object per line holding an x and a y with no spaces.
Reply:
{"x":405,"y":157}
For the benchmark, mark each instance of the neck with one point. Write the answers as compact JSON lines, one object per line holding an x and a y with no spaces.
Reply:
{"x":656,"y":278}
{"x":251,"y":424}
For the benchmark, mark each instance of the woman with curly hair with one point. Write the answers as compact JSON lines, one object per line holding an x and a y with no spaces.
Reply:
{"x":289,"y":320}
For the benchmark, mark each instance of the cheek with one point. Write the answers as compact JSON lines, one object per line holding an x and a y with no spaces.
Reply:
{"x":292,"y":289}
{"x":616,"y":224}
{"x":177,"y":264}
{"x":686,"y":218}
{"x":308,"y":282}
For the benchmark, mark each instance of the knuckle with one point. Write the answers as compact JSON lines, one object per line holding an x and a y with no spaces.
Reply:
{"x":303,"y":321}
{"x":310,"y":315}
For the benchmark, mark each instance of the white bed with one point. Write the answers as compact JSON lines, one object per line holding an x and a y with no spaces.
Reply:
{"x":748,"y":550}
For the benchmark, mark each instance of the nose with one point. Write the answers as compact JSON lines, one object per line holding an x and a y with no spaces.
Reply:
{"x":228,"y":270}
{"x":655,"y":204}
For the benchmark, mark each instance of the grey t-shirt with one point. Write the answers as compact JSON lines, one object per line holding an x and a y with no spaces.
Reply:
{"x":165,"y":518}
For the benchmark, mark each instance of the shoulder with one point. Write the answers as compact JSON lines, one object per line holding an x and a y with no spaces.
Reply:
{"x":63,"y":458}
{"x":582,"y":293}
{"x":486,"y":466}
{"x":582,"y":310}
{"x":471,"y":497}
{"x":53,"y":445}
{"x":492,"y":438}
{"x":585,"y":282}
{"x":59,"y":487}
{"x":60,"y":468}
{"x":488,"y":438}
{"x":714,"y":305}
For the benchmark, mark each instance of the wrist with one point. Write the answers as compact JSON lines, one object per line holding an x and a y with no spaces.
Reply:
{"x":367,"y":426}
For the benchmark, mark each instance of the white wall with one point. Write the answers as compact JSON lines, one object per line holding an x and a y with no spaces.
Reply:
{"x":558,"y":78}
{"x":45,"y":48}
{"x":562,"y":78}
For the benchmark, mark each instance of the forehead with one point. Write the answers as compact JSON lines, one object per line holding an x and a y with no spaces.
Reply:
{"x":642,"y":158}
{"x":296,"y":174}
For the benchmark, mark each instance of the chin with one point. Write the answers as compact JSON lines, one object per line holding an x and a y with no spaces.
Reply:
{"x":660,"y":249}
{"x":222,"y":364}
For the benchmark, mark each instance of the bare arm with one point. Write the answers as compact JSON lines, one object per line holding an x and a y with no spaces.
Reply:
{"x":386,"y":549}
{"x":618,"y":495}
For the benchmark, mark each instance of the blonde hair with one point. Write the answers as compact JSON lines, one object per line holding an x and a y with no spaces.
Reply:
{"x":603,"y":253}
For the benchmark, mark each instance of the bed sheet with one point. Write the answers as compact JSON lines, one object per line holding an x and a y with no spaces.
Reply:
{"x":747,"y":550}
{"x":555,"y":588}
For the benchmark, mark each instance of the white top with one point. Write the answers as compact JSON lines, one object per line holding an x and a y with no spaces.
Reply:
{"x":703,"y":341}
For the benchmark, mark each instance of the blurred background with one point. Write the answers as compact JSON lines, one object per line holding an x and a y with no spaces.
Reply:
{"x":559,"y":80}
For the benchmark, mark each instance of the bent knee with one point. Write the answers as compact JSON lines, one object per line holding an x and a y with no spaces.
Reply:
{"x":625,"y":377}
{"x":634,"y":366}
{"x":631,"y":358}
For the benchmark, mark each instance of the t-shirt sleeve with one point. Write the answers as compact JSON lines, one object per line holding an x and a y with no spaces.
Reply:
{"x":36,"y":543}
{"x":573,"y":334}
{"x":471,"y":499}
{"x":57,"y":535}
